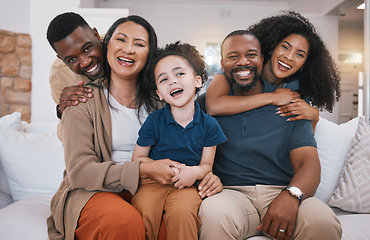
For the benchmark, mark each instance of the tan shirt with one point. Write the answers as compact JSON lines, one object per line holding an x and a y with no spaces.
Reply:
{"x":86,"y":131}
{"x":60,"y":77}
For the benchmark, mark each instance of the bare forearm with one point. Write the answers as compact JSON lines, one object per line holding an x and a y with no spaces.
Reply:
{"x":307,"y":173}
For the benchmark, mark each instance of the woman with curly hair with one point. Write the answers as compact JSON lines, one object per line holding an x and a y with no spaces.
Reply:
{"x":295,"y":58}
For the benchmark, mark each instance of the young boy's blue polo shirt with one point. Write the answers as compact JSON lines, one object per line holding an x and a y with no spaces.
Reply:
{"x":170,"y":140}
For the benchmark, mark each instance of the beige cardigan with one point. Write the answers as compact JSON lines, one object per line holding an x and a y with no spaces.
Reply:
{"x":86,"y":132}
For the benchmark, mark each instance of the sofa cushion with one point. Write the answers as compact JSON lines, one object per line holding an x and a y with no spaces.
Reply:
{"x":26,"y":219}
{"x":333,"y":142}
{"x":11,"y":122}
{"x":353,"y":191}
{"x":33,"y":162}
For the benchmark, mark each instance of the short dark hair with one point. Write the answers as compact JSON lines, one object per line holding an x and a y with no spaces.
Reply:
{"x":188,"y":52}
{"x":239,"y":32}
{"x":63,"y":25}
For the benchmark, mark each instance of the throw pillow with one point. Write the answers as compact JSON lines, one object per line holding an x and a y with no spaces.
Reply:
{"x":333,"y":142}
{"x":353,"y":191}
{"x":33,"y":162}
{"x":11,"y":122}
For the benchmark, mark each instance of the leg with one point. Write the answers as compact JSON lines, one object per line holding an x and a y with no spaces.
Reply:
{"x":228,"y":215}
{"x":108,"y":216}
{"x":149,"y":201}
{"x":181,"y":214}
{"x":315,"y":220}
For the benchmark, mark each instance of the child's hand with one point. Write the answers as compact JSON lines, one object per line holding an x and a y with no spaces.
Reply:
{"x":186,"y":177}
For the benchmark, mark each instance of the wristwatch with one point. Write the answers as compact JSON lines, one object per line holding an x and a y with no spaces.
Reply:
{"x":294,"y":191}
{"x":59,"y":114}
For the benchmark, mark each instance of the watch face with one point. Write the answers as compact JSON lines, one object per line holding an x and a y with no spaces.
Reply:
{"x":295,"y":191}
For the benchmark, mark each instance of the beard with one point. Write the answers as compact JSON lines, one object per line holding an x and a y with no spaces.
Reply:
{"x":243,"y":87}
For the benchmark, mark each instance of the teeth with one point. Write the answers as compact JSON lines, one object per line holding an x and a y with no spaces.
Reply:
{"x":175,"y":91}
{"x":92,"y":69}
{"x":125,"y":60}
{"x":243,"y":73}
{"x":284,"y":65}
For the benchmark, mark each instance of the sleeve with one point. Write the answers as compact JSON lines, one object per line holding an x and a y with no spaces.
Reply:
{"x":302,"y":135}
{"x":214,"y":133}
{"x":87,"y":157}
{"x":147,"y":133}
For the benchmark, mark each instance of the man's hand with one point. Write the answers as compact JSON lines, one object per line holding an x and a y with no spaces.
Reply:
{"x":71,"y":96}
{"x":280,"y":218}
{"x":210,"y":185}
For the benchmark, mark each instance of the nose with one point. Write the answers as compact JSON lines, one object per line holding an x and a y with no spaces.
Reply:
{"x":289,"y":55}
{"x":129,"y":49}
{"x":243,"y":61}
{"x":173,"y":81}
{"x":84,"y":61}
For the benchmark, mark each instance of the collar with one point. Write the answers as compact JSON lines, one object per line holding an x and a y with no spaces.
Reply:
{"x":196,"y":118}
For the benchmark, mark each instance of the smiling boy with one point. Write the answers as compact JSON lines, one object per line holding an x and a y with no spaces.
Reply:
{"x":181,"y":132}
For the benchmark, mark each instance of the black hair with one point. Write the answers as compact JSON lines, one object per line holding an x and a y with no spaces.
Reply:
{"x":186,"y":51}
{"x":239,"y":32}
{"x":319,"y":77}
{"x":145,"y":88}
{"x":63,"y":25}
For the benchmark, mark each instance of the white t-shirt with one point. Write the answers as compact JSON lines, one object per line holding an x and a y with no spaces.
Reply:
{"x":125,"y":128}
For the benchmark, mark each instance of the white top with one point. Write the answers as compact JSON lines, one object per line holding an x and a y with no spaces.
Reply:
{"x":125,"y":128}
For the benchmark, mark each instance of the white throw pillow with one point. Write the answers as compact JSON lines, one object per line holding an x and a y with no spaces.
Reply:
{"x":11,"y":122}
{"x":333,"y":142}
{"x":33,"y":162}
{"x":353,"y":191}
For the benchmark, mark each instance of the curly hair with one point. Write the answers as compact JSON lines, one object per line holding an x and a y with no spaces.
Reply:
{"x":63,"y":25}
{"x":188,"y":52}
{"x":319,"y":77}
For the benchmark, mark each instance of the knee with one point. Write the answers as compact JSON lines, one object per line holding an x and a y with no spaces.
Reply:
{"x":319,"y":219}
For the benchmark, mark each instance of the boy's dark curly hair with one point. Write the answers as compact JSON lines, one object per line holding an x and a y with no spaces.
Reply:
{"x":188,"y":52}
{"x":319,"y":77}
{"x":63,"y":25}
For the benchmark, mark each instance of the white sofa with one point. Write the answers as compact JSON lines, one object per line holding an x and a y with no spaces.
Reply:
{"x":31,"y":166}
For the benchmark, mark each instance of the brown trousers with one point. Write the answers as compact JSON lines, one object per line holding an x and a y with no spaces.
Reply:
{"x":178,"y":207}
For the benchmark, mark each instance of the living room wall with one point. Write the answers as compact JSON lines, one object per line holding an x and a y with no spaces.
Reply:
{"x":193,"y":23}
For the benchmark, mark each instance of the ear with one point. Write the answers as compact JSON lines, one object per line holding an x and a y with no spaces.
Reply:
{"x":96,"y":33}
{"x":159,"y":95}
{"x":198,"y":81}
{"x":222,"y":65}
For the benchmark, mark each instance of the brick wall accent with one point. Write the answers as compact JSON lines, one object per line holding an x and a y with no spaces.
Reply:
{"x":15,"y":74}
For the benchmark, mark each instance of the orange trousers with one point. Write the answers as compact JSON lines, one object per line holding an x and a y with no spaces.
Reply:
{"x":110,"y":216}
{"x":180,"y":208}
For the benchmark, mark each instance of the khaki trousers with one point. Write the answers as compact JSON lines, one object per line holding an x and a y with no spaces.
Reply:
{"x":179,"y":208}
{"x":236,"y":212}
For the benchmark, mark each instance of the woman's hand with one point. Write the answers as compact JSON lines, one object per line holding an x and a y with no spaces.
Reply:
{"x":210,"y":185}
{"x":159,"y":170}
{"x":300,"y":109}
{"x":282,"y":96}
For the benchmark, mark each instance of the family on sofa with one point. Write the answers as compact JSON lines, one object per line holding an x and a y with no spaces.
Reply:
{"x":265,"y":175}
{"x":269,"y":164}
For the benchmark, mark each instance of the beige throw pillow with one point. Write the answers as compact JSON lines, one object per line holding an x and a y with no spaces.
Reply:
{"x":353,"y":191}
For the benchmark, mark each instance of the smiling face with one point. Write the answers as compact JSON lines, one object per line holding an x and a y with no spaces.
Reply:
{"x":242,"y":61}
{"x":287,"y":58}
{"x":82,"y":52}
{"x":176,"y":81}
{"x":128,"y":50}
